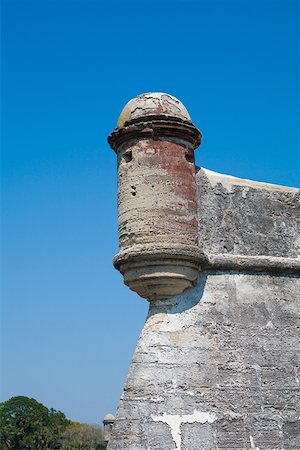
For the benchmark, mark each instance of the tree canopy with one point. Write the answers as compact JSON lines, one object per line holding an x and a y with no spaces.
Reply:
{"x":81,"y":436}
{"x":28,"y":424}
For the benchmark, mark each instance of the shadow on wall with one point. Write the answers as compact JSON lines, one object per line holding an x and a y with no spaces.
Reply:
{"x":179,"y":303}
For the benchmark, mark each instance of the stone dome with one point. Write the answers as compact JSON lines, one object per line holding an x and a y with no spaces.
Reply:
{"x":153,"y":104}
{"x":109,"y":417}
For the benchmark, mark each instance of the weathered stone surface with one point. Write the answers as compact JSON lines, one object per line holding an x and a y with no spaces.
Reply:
{"x":108,"y":423}
{"x":153,"y":104}
{"x":157,"y":197}
{"x":243,"y":217}
{"x":217,"y":368}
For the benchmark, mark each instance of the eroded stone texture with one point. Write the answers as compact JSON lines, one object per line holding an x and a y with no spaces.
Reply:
{"x":216,"y":368}
{"x":157,"y":199}
{"x":153,"y":104}
{"x":244,"y":217}
{"x":157,"y":195}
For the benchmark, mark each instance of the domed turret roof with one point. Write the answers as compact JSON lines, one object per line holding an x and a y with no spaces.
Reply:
{"x":153,"y":104}
{"x":109,"y":417}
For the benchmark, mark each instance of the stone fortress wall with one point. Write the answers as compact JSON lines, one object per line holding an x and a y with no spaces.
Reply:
{"x":217,"y":365}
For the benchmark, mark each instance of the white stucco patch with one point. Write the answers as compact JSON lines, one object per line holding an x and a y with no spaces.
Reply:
{"x":175,"y":421}
{"x":252,"y":443}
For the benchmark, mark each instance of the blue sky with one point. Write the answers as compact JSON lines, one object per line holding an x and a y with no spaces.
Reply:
{"x":69,"y":325}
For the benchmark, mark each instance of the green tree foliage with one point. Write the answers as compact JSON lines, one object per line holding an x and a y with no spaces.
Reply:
{"x":27,"y":424}
{"x":81,"y":436}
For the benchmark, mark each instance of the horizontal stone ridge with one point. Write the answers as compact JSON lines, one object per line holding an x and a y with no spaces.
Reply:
{"x":255,"y":263}
{"x":155,"y":127}
{"x":242,"y":263}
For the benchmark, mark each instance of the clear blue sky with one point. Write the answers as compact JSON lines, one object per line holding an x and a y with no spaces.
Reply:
{"x":69,"y":67}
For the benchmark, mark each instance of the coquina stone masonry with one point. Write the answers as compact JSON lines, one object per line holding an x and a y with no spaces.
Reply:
{"x":158,"y":227}
{"x":217,"y":365}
